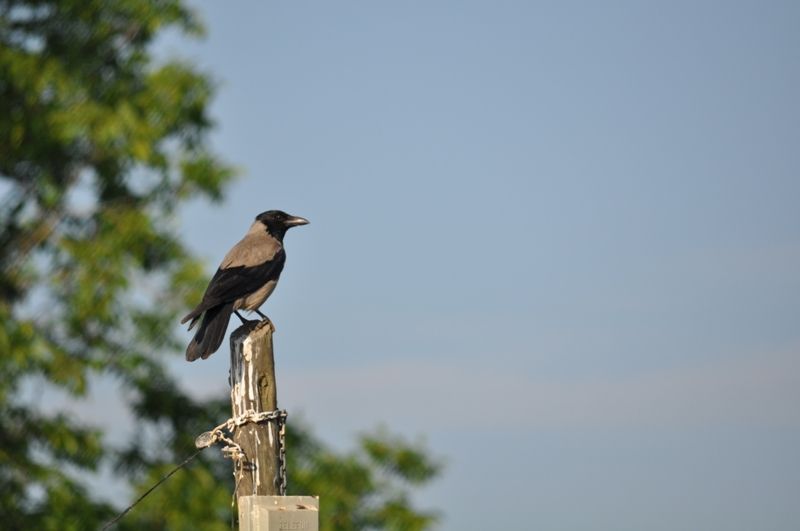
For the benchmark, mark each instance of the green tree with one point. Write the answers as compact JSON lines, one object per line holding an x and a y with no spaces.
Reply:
{"x":99,"y":144}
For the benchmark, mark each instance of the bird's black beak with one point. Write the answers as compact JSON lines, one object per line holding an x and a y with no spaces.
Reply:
{"x":295,"y":221}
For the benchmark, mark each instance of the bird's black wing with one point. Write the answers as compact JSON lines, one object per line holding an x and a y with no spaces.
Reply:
{"x":231,"y":283}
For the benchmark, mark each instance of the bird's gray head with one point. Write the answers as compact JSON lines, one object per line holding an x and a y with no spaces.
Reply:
{"x":278,"y":222}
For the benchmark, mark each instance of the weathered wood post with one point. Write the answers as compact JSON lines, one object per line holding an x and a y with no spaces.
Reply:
{"x":253,"y":388}
{"x":258,"y":473}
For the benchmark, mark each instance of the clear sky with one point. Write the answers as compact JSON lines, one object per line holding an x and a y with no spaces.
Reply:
{"x":560,"y":241}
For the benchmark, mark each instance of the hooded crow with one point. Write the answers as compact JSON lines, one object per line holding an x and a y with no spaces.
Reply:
{"x":245,"y":278}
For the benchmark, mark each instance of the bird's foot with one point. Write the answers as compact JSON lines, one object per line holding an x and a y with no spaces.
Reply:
{"x":242,"y":319}
{"x":266,"y":319}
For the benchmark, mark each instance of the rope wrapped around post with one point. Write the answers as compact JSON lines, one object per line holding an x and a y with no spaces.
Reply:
{"x":233,"y":451}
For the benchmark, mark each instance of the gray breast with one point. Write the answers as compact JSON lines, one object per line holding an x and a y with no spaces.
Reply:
{"x":256,"y":299}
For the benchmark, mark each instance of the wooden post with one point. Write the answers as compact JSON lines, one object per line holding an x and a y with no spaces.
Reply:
{"x":253,"y":389}
{"x":252,"y":380}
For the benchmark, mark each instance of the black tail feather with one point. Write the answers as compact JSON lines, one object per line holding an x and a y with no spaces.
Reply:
{"x":194,"y":315}
{"x":211,"y":332}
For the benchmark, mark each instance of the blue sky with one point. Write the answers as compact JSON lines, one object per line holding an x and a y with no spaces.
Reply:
{"x":559,"y":241}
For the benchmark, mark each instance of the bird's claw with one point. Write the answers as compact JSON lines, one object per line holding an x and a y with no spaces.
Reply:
{"x":264,"y":318}
{"x":266,"y":321}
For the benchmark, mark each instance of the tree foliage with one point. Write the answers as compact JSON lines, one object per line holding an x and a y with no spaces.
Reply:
{"x":99,"y":144}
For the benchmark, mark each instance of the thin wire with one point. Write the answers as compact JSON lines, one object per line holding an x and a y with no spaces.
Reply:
{"x":234,"y":451}
{"x":151,"y":489}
